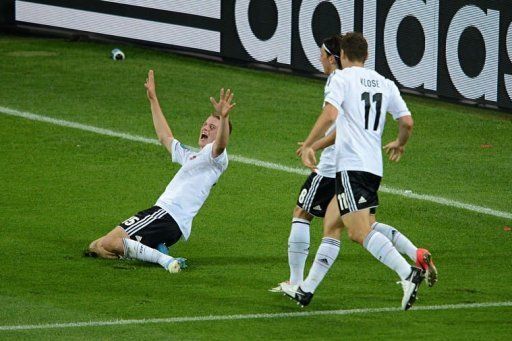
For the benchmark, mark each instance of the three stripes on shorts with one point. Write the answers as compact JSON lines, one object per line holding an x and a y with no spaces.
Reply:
{"x":131,"y":230}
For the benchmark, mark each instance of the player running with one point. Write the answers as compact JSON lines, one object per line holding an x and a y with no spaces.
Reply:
{"x":171,"y":217}
{"x":319,"y":188}
{"x":358,"y":99}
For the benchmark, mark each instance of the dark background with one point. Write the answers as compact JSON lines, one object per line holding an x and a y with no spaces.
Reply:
{"x":263,"y":20}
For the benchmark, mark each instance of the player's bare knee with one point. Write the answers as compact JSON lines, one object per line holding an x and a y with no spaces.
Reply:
{"x":300,"y":213}
{"x":93,"y":246}
{"x":112,"y":244}
{"x":356,"y":235}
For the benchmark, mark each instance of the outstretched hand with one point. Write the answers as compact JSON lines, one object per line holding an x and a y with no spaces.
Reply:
{"x":224,"y":106}
{"x":150,"y":85}
{"x":394,"y":150}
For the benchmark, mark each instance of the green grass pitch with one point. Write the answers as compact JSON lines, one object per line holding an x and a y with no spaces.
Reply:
{"x":63,"y":187}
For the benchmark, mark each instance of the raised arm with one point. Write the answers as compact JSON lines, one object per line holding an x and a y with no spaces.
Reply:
{"x":395,"y":149}
{"x":162,"y":129}
{"x":222,"y":109}
{"x":324,"y":121}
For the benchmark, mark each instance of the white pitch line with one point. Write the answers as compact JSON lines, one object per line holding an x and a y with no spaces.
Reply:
{"x":254,"y":162}
{"x":253,"y":316}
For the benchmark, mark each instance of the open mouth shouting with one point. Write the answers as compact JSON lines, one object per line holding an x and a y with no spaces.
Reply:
{"x":208,"y":131}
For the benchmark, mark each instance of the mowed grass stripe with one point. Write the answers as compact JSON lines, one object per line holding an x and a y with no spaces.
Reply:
{"x":253,"y":316}
{"x":253,"y":162}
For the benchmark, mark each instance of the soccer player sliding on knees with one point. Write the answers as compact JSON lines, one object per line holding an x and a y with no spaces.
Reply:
{"x":171,"y":217}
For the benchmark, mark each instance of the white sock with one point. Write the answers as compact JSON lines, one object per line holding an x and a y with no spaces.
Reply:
{"x":298,"y":249}
{"x":400,"y":242}
{"x":325,"y":257}
{"x":137,"y":250}
{"x":382,"y":249}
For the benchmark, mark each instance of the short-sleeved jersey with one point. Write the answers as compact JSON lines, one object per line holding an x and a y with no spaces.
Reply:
{"x":191,"y":185}
{"x":362,"y":97}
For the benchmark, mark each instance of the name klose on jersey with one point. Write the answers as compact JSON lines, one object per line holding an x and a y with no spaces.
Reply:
{"x":370,"y":83}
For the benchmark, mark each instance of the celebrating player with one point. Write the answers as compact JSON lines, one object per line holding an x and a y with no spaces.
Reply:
{"x":358,"y":99}
{"x":319,"y":189}
{"x":171,"y":217}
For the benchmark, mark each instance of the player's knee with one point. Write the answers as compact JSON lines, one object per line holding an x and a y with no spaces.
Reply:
{"x":298,"y":212}
{"x":92,"y":247}
{"x":355,"y":235}
{"x":111,"y":244}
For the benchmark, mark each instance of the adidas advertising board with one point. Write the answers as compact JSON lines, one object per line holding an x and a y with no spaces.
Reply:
{"x":457,"y":49}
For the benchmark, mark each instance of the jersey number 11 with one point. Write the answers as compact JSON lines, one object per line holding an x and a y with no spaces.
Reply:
{"x":377,"y":99}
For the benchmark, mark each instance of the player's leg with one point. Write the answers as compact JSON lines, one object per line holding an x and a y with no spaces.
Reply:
{"x":400,"y":241}
{"x":104,"y":247}
{"x":112,"y":242}
{"x":155,"y":226}
{"x":358,"y":194}
{"x":328,"y":250}
{"x":138,"y":236}
{"x":422,"y":257}
{"x":314,"y":197}
{"x":325,"y":257}
{"x":134,"y":249}
{"x":359,"y":231}
{"x":298,"y":241}
{"x":298,"y":244}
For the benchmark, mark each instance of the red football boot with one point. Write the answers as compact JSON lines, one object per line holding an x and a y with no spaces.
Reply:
{"x":424,"y":261}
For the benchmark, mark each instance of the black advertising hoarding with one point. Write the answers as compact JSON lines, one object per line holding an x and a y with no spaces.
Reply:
{"x":281,"y":33}
{"x":451,"y":48}
{"x":6,"y":13}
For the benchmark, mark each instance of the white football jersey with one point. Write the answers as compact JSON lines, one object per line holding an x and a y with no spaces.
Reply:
{"x":191,"y":185}
{"x":362,"y":97}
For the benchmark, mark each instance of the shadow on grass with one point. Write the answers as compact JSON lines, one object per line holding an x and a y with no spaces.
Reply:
{"x":130,"y":264}
{"x":236,"y":260}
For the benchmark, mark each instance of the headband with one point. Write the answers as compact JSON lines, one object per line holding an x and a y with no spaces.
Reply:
{"x":329,"y":52}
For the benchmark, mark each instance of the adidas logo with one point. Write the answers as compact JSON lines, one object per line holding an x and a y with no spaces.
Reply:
{"x":362,"y":200}
{"x":317,"y":208}
{"x":324,"y":260}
